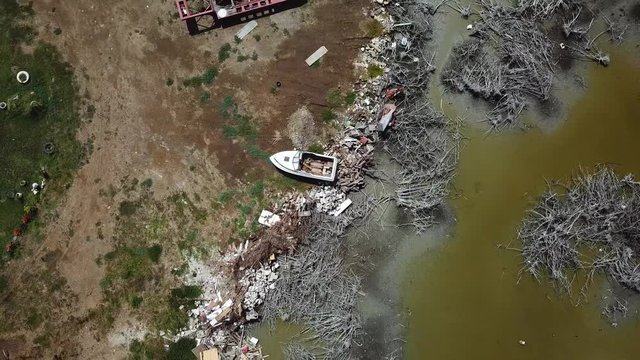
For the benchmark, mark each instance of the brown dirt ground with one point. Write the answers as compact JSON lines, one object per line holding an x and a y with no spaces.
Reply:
{"x":123,"y":52}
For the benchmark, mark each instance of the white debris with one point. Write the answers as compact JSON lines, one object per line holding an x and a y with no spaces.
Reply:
{"x":246,"y":29}
{"x":268,"y":218}
{"x":316,"y":55}
{"x":257,"y":282}
{"x":327,"y":199}
{"x":343,"y":206}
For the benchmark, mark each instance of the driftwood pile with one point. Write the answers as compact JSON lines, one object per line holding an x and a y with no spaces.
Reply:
{"x":298,"y":352}
{"x":421,"y":140}
{"x":353,"y":165}
{"x":593,"y":224}
{"x":281,"y":238}
{"x":509,"y":57}
{"x":507,"y":60}
{"x":316,"y":289}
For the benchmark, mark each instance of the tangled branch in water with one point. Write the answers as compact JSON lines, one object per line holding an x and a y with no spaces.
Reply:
{"x":594,"y":225}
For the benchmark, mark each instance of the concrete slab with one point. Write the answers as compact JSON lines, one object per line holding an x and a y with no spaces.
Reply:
{"x":316,"y":55}
{"x":246,"y":29}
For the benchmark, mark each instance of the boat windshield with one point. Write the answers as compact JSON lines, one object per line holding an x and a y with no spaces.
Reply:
{"x":296,"y":160}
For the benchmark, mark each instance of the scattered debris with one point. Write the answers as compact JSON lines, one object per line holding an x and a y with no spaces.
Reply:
{"x":316,"y":55}
{"x":257,"y":282}
{"x":209,"y":354}
{"x":327,"y":199}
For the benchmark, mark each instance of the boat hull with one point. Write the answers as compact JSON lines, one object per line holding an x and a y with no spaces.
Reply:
{"x":287,"y":161}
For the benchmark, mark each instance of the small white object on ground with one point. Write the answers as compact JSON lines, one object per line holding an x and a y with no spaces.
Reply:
{"x":268,"y":218}
{"x":469,"y":27}
{"x":23,"y":77}
{"x":316,"y":55}
{"x":253,"y":341}
{"x":522,"y":342}
{"x":3,"y":105}
{"x":247,"y":29}
{"x":340,"y":209}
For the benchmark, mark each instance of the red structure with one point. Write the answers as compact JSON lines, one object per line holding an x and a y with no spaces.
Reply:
{"x":225,"y":9}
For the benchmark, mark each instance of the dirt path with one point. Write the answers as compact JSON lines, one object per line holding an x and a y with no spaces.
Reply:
{"x":124,"y":53}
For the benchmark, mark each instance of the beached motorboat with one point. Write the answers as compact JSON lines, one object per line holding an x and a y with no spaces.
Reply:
{"x":306,"y":164}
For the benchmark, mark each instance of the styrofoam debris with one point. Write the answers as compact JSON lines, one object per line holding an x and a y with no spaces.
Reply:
{"x":268,"y":218}
{"x":340,"y":209}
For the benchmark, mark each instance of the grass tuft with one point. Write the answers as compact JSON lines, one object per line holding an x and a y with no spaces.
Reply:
{"x":224,"y":53}
{"x":374,"y":28}
{"x":375,"y":71}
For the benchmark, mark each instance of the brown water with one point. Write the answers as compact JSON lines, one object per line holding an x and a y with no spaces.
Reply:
{"x":462,"y":297}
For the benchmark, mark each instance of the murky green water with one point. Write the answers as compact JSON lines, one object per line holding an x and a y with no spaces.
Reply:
{"x":463,"y":299}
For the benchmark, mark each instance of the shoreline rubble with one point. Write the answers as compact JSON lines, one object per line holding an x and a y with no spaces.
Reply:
{"x":317,"y":218}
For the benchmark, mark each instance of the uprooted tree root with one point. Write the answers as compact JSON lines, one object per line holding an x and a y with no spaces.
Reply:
{"x":592,"y":225}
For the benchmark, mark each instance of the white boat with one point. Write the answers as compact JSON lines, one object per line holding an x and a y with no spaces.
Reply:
{"x":306,"y":164}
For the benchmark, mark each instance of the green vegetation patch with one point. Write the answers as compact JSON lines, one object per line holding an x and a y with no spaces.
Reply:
{"x":316,"y":148}
{"x":39,"y":114}
{"x":350,"y":98}
{"x":327,"y":116}
{"x":375,"y":71}
{"x":240,"y":126}
{"x":203,"y":79}
{"x":152,"y":348}
{"x":224,"y":53}
{"x":334,"y":98}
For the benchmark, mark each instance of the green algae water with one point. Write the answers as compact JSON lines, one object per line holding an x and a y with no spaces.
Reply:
{"x":463,"y":298}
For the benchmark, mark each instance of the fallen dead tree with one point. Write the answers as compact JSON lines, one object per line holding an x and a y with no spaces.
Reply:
{"x":422,"y":145}
{"x":298,"y":352}
{"x":421,"y":140}
{"x":593,"y":224}
{"x":508,"y":61}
